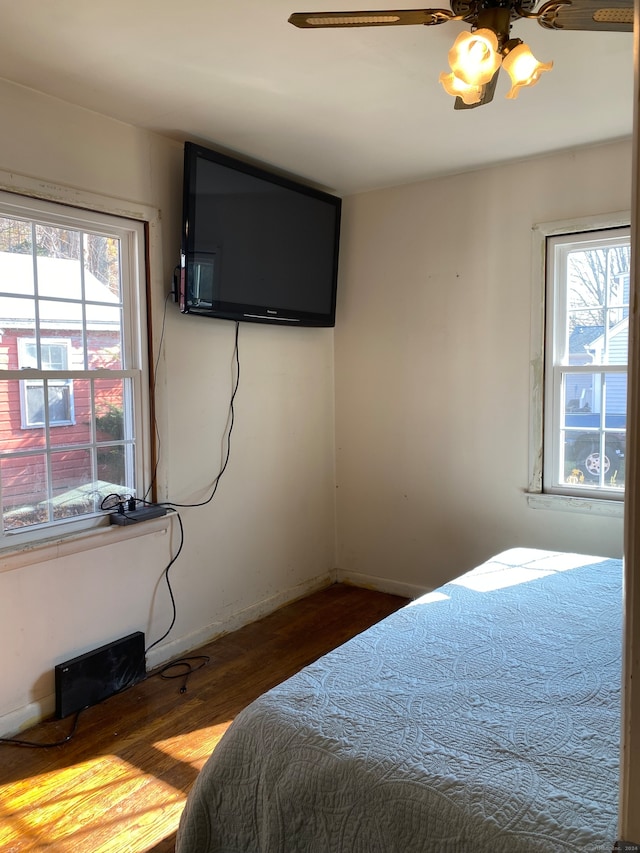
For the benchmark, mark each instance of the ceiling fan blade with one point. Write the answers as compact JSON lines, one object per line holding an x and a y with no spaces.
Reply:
{"x":384,"y":18}
{"x":599,"y":15}
{"x":488,"y":91}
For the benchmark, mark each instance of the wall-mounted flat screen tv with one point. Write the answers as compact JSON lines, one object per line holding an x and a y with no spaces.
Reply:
{"x":256,"y":246}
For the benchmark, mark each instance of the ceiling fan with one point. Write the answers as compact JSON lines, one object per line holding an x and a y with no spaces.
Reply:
{"x":477,"y":56}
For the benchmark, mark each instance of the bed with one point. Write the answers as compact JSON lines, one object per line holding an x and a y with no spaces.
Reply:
{"x":484,"y":716}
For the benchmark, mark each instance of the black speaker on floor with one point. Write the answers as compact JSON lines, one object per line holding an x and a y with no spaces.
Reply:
{"x":94,"y":676}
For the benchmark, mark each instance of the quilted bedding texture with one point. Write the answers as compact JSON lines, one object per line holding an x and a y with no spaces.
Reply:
{"x":484,"y":716}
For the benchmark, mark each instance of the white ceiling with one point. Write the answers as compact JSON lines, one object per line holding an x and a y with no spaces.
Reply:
{"x":348,"y":109}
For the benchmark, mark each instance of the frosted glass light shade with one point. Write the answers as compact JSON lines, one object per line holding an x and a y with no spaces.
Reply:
{"x":523,"y":68}
{"x":458,"y":88}
{"x":474,"y":57}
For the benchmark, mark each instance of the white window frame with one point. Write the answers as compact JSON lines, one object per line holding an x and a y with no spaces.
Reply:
{"x":132,"y":234}
{"x":541,"y":495}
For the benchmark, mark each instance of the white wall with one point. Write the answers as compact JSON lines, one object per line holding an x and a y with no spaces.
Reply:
{"x":432,"y":367}
{"x":267,"y":536}
{"x":432,"y":406}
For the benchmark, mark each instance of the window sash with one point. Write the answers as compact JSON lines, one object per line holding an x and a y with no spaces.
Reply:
{"x":583,"y":448}
{"x":131,"y":451}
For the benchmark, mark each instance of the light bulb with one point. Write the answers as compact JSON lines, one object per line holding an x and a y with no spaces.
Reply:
{"x":474,"y":57}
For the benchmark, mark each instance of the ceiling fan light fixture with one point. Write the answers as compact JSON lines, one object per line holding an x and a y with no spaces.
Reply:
{"x":474,"y":57}
{"x":459,"y":89}
{"x":523,"y":68}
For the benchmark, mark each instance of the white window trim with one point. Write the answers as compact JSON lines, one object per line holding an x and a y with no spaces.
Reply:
{"x":74,"y":542}
{"x":536,"y":499}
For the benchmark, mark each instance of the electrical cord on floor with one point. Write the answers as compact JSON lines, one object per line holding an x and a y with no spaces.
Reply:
{"x":187,"y":668}
{"x":12,"y":741}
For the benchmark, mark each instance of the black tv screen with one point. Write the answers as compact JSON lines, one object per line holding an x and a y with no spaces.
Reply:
{"x":256,"y":246}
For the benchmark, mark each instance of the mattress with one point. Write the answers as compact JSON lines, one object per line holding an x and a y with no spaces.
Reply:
{"x":484,"y":716}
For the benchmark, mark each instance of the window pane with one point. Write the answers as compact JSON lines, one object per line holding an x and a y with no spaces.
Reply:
{"x":77,"y":430}
{"x":24,"y":487}
{"x":17,"y":276}
{"x":110,"y":401}
{"x":586,"y":279}
{"x":572,"y":466}
{"x":582,"y":395}
{"x":13,"y":437}
{"x":104,"y":337}
{"x":617,"y":350}
{"x":58,"y":262}
{"x":15,"y":236}
{"x":54,"y":242}
{"x":112,"y":469}
{"x":59,"y":277}
{"x":596,"y":276}
{"x":614,"y":461}
{"x":71,"y":480}
{"x":583,"y":463}
{"x":102,"y":260}
{"x":66,"y":316}
{"x":17,"y":319}
{"x":615,"y":415}
{"x":582,"y":458}
{"x":586,"y":330}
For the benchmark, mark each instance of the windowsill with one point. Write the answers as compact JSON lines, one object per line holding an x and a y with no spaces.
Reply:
{"x":566,"y":503}
{"x":75,"y":543}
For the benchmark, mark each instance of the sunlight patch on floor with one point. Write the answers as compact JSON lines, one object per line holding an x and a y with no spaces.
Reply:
{"x":56,"y":810}
{"x":181,"y":749}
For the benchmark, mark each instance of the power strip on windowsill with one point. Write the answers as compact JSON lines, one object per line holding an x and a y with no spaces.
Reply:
{"x":135,"y":516}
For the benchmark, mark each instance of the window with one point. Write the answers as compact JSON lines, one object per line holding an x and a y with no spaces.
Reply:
{"x":55,"y":356}
{"x":586,"y":352}
{"x":73,"y":375}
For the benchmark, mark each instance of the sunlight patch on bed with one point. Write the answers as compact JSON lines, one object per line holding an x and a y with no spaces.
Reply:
{"x":503,"y":571}
{"x":430,"y":597}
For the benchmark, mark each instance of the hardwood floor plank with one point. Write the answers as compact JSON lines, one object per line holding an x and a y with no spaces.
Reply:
{"x":119,"y":785}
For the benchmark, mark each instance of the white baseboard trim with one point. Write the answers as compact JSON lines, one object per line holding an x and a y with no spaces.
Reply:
{"x":393,"y":587}
{"x":231,"y":622}
{"x":14,"y":722}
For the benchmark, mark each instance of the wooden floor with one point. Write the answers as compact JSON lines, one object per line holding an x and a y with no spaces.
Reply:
{"x":119,"y":785}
